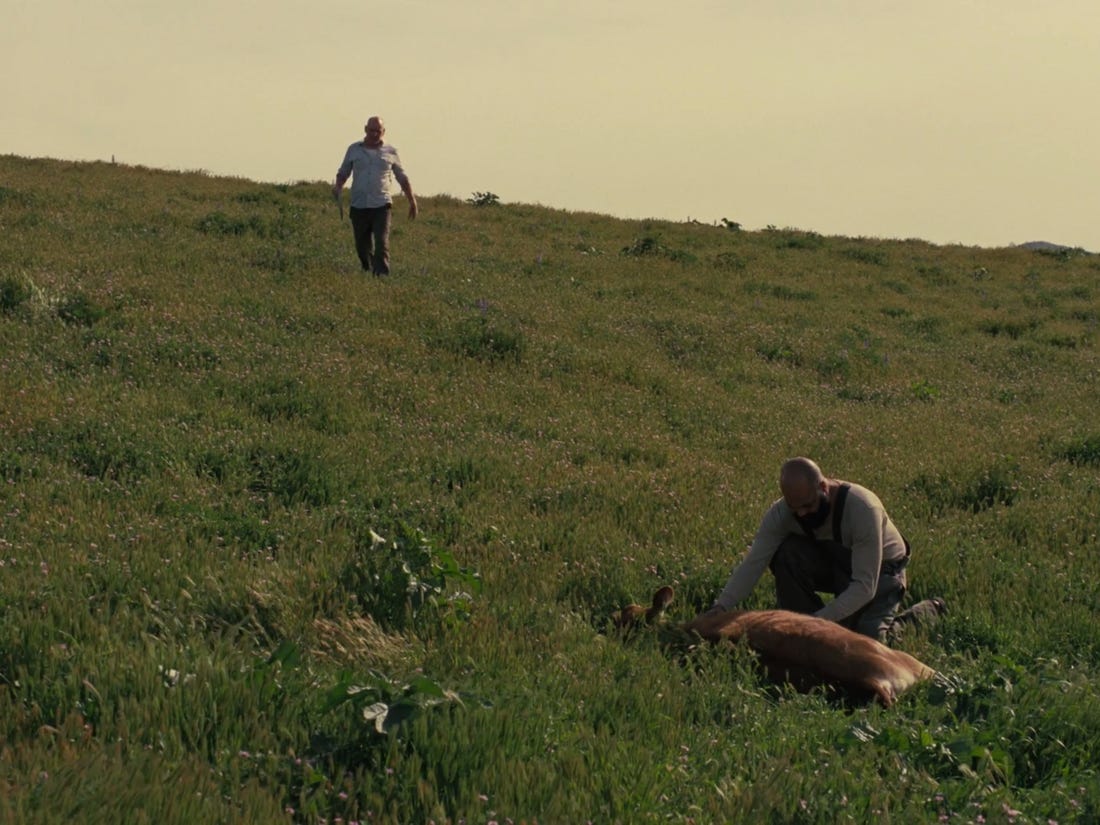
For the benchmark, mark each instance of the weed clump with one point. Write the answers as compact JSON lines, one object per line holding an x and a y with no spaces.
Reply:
{"x":973,"y":491}
{"x":79,"y":310}
{"x":219,"y":223}
{"x":293,"y":476}
{"x":1084,"y":451}
{"x":14,"y":291}
{"x":482,"y":199}
{"x":407,"y":579}
{"x":875,"y":257}
{"x":651,"y":246}
{"x":483,"y":339}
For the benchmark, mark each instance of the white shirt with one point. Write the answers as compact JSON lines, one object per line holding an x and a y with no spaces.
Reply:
{"x":372,"y":173}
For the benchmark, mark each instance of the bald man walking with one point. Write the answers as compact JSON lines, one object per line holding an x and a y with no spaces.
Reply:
{"x":373,"y":166}
{"x":825,"y":535}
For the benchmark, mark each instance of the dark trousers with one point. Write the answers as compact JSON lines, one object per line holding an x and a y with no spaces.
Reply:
{"x":803,"y":568}
{"x":372,"y":237}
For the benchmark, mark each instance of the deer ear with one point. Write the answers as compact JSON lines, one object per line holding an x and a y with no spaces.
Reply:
{"x":663,"y":598}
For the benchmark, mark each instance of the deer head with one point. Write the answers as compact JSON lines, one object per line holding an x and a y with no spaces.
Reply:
{"x":634,"y":614}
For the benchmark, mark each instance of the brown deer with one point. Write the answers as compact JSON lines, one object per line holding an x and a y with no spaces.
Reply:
{"x":801,"y":650}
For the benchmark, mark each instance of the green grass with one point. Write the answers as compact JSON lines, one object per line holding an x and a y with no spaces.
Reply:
{"x":280,"y":542}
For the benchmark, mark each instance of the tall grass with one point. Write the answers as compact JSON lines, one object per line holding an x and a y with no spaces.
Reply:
{"x":283,"y":543}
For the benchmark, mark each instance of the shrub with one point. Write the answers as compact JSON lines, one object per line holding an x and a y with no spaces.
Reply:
{"x":399,"y":580}
{"x":645,"y":245}
{"x":1010,"y":329}
{"x":779,"y":351}
{"x":868,"y":256}
{"x":13,"y":467}
{"x":729,"y":260}
{"x":218,"y":223}
{"x":100,"y":452}
{"x":78,"y":310}
{"x":484,"y":339}
{"x":387,"y":704}
{"x":927,"y":327}
{"x":184,"y":354}
{"x":1062,"y":253}
{"x":795,"y":239}
{"x":681,"y":256}
{"x":231,"y":525}
{"x":288,"y":399}
{"x":282,"y":260}
{"x":974,"y":491}
{"x":780,"y":291}
{"x":924,"y":391}
{"x":483,"y":199}
{"x":293,"y":477}
{"x":935,"y":274}
{"x":14,"y":291}
{"x":836,"y":364}
{"x":650,"y":245}
{"x":1082,"y":451}
{"x":257,"y":197}
{"x":16,"y":197}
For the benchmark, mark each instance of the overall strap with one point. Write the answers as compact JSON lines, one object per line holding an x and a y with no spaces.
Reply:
{"x":838,"y":510}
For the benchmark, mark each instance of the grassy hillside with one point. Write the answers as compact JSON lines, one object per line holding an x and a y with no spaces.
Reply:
{"x":283,"y":542}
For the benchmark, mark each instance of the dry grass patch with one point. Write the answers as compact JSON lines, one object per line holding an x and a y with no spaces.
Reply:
{"x":357,"y":640}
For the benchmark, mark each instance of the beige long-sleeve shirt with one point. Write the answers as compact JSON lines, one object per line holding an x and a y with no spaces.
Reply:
{"x":865,"y":527}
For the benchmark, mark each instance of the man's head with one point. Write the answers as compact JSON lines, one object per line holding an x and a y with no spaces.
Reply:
{"x":805,"y":490}
{"x":374,"y":129}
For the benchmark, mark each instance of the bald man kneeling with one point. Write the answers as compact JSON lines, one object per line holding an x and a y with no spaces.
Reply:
{"x":824,"y":535}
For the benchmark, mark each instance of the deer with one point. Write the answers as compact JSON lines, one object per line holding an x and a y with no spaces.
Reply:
{"x":798,"y":649}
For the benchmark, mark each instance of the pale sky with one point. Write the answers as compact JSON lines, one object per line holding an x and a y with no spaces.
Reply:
{"x":955,"y":121}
